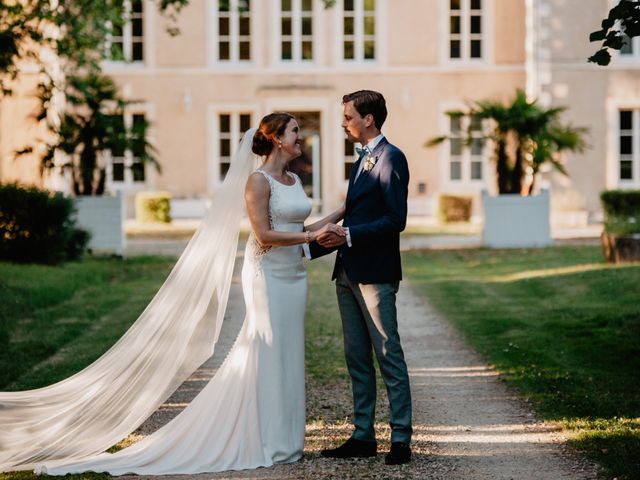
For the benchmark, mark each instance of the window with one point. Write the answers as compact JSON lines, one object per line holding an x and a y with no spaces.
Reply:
{"x":629,"y":147}
{"x":350,"y":157}
{"x":231,"y":127}
{"x":359,"y":30}
{"x":126,"y":41}
{"x":466,"y":30}
{"x":234,"y":30}
{"x":296,"y":30}
{"x":124,"y":167}
{"x":466,"y":162}
{"x":631,"y":48}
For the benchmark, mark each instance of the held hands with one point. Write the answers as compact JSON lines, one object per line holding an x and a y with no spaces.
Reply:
{"x":331,"y":236}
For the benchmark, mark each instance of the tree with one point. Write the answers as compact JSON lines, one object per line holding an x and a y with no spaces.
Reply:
{"x":525,"y":136}
{"x":74,"y":33}
{"x":620,"y":26}
{"x":91,"y":124}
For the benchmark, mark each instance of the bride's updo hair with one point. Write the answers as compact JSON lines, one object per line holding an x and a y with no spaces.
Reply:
{"x":271,"y":127}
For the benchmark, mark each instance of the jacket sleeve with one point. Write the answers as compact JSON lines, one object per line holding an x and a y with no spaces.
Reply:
{"x":318,"y":250}
{"x":394,"y":181}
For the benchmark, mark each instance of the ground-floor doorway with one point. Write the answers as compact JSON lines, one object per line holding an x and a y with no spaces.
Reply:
{"x":308,"y":166}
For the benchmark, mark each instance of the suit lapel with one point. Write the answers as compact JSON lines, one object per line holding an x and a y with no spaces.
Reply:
{"x":356,"y":184}
{"x":352,"y":176}
{"x":380,"y":147}
{"x":354,"y":170}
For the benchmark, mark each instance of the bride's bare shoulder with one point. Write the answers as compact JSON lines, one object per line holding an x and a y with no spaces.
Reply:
{"x":257,"y":184}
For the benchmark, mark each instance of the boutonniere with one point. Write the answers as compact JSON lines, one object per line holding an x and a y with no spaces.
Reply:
{"x":369,"y":163}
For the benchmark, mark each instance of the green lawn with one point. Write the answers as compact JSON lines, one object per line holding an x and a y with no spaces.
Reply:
{"x":56,"y":320}
{"x":323,"y":330}
{"x":561,"y":325}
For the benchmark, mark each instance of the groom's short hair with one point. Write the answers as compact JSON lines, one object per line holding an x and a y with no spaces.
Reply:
{"x":368,"y":102}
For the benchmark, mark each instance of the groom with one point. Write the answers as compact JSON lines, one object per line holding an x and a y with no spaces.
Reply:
{"x":367,"y":274}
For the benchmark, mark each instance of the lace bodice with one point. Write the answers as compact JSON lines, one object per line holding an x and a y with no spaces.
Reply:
{"x":289,"y":207}
{"x":288,"y":204}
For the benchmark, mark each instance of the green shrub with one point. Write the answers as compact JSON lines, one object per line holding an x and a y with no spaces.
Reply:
{"x":37,"y":226}
{"x":621,"y":211}
{"x":453,"y":208}
{"x":153,"y":207}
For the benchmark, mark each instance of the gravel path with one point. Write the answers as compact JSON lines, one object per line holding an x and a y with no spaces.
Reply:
{"x":468,"y":424}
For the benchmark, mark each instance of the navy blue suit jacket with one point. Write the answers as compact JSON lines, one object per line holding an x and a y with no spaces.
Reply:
{"x":376,"y":213}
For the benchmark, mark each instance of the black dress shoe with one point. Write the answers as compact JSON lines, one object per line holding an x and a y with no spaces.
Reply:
{"x":400,"y":453}
{"x":352,"y":448}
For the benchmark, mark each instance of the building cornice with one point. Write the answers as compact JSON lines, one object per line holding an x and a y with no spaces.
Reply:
{"x":360,"y":71}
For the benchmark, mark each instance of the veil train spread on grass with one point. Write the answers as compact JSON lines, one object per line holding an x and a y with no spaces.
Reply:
{"x":92,"y":410}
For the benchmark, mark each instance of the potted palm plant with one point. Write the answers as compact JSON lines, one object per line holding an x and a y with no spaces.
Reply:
{"x":621,"y":236}
{"x":524,"y":136}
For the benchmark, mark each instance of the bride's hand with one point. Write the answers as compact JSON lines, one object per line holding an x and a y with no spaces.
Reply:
{"x":331,"y":228}
{"x":331,"y":235}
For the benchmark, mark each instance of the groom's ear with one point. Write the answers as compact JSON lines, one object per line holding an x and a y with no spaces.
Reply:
{"x":369,"y":120}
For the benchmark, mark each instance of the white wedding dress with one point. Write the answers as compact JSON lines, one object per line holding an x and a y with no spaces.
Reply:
{"x":252,"y":412}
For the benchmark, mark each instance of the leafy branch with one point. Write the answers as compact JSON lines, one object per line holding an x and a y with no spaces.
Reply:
{"x":620,"y":26}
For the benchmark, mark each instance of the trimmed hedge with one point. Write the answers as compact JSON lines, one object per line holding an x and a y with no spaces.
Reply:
{"x":454,"y":208}
{"x":153,"y":207}
{"x":37,"y":226}
{"x":621,"y":211}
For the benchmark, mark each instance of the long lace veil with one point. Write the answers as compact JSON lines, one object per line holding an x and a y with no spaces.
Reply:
{"x":92,"y":410}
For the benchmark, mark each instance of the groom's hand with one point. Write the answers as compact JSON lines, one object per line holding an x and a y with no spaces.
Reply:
{"x":331,"y":235}
{"x":331,"y":240}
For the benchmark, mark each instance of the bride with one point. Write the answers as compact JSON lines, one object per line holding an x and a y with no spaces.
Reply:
{"x":252,"y":412}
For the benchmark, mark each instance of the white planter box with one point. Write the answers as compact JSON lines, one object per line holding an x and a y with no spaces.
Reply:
{"x":103,"y":217}
{"x":514,"y":221}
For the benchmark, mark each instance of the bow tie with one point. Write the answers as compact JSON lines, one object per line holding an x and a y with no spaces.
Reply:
{"x":362,"y":151}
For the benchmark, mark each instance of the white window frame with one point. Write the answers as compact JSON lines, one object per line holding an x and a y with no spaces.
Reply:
{"x":128,"y":39}
{"x":634,"y":133}
{"x":234,"y":36}
{"x":466,"y":184}
{"x":486,"y":36}
{"x":296,"y":33}
{"x":613,"y":170}
{"x":348,"y":158}
{"x":234,"y":110}
{"x":617,"y":57}
{"x":128,"y":184}
{"x":626,"y":59}
{"x":612,"y":176}
{"x":358,"y":35}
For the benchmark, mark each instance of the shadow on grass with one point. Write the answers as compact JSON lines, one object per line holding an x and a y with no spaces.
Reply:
{"x":613,"y":442}
{"x":559,"y":324}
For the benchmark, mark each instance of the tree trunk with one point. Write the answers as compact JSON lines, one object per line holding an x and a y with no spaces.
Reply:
{"x":86,"y":172}
{"x":532,"y":185}
{"x":75,"y":184}
{"x":102,"y":177}
{"x":502,"y":167}
{"x":619,"y":249}
{"x":87,"y":166}
{"x":517,"y":173}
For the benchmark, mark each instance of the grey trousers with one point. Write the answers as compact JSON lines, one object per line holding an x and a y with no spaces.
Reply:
{"x":369,"y":323}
